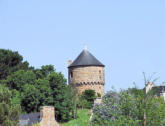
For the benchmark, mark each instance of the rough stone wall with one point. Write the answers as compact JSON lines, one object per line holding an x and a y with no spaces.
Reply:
{"x":48,"y":116}
{"x":97,"y":87}
{"x":88,"y":77}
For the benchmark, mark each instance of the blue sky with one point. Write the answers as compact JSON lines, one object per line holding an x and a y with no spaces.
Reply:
{"x":128,"y":36}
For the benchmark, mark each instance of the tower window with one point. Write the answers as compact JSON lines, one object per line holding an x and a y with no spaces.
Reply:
{"x":100,"y":71}
{"x":71,"y":74}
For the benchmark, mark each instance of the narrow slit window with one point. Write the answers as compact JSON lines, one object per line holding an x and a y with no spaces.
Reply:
{"x":71,"y":74}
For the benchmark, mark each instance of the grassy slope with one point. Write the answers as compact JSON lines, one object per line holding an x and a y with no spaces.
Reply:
{"x":82,"y":120}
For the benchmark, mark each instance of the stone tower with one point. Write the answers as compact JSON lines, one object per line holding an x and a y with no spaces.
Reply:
{"x":86,"y":72}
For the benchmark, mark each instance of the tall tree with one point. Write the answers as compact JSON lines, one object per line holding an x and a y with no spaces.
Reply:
{"x":10,"y":62}
{"x":30,"y":98}
{"x":62,"y":103}
{"x":44,"y":71}
{"x":72,"y":95}
{"x":9,"y":113}
{"x":19,"y":78}
{"x":45,"y":93}
{"x":36,"y":95}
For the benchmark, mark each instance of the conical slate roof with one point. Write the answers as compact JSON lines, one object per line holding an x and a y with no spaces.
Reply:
{"x":86,"y":59}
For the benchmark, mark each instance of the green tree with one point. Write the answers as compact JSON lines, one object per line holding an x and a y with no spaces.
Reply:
{"x":9,"y":113}
{"x":83,"y":103}
{"x":47,"y":69}
{"x":30,"y":98}
{"x":19,"y":78}
{"x":44,"y":71}
{"x":16,"y":97}
{"x":149,"y":105}
{"x":61,"y":103}
{"x":127,"y":108}
{"x":45,"y":92}
{"x":88,"y":97}
{"x":10,"y":62}
{"x":72,"y":95}
{"x":36,"y":95}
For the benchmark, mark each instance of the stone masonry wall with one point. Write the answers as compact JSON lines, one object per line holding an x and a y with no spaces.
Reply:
{"x":88,"y":77}
{"x":48,"y":116}
{"x":98,"y":88}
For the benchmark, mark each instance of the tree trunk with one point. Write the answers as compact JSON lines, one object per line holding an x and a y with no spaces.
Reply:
{"x":145,"y":119}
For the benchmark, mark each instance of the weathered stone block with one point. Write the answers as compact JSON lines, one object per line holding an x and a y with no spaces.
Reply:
{"x":48,"y":116}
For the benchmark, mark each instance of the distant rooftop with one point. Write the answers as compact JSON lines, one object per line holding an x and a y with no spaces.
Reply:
{"x":29,"y":119}
{"x":85,"y":58}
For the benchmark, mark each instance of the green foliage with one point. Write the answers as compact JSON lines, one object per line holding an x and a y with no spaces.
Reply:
{"x":36,"y":124}
{"x":150,"y":104}
{"x":45,"y":92}
{"x":32,"y":88}
{"x":37,"y":95}
{"x":5,"y":95}
{"x":9,"y":113}
{"x":82,"y":119}
{"x":98,"y":95}
{"x":127,"y":108}
{"x":16,"y":97}
{"x":87,"y":99}
{"x":19,"y":78}
{"x":30,"y":98}
{"x":83,"y":103}
{"x":62,"y":103}
{"x":44,"y":71}
{"x":10,"y":62}
{"x":47,"y":69}
{"x":72,"y":95}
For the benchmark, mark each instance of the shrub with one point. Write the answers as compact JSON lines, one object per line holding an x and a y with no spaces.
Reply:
{"x":87,"y":99}
{"x":37,"y":124}
{"x":127,"y":108}
{"x":9,"y":113}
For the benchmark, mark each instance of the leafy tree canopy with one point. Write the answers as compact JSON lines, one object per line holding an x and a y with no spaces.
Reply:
{"x":87,"y":98}
{"x":9,"y":113}
{"x":32,"y":88}
{"x":30,"y":98}
{"x":44,"y":71}
{"x":128,"y":108}
{"x":19,"y":78}
{"x":62,"y":103}
{"x":10,"y":62}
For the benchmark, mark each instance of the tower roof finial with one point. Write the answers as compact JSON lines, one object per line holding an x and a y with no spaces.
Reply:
{"x":85,"y":47}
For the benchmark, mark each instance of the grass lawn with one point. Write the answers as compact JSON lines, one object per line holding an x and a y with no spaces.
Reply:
{"x":82,"y":120}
